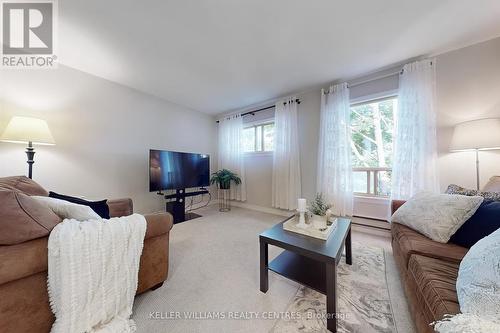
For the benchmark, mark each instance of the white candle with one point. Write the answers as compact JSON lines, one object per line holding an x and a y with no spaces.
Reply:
{"x":301,"y":205}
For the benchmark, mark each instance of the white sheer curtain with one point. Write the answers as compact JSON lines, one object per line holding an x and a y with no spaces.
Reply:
{"x":231,"y":152}
{"x":415,"y":146}
{"x":286,"y":159}
{"x":334,"y":153}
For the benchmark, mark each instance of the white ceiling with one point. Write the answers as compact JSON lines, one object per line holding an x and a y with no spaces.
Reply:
{"x":218,"y":55}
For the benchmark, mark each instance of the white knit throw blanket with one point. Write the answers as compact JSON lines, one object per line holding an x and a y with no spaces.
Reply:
{"x":92,"y":278}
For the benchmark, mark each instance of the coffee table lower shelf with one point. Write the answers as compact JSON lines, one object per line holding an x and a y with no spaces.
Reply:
{"x":308,"y":261}
{"x":303,"y":270}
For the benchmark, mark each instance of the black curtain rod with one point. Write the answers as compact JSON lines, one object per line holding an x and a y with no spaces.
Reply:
{"x":254,"y":111}
{"x":326,"y":92}
{"x":266,"y":108}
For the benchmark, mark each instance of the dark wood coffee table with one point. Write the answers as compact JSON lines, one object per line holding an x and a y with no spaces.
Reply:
{"x":307,"y":260}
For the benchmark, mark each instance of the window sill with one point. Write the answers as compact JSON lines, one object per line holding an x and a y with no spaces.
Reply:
{"x":258,"y":154}
{"x":366,"y":195}
{"x":374,"y":199}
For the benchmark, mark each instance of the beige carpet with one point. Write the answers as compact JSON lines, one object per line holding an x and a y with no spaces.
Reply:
{"x":213,"y":283}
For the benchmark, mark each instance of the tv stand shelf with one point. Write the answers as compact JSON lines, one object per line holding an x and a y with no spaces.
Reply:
{"x":183,"y":194}
{"x":177,"y":207}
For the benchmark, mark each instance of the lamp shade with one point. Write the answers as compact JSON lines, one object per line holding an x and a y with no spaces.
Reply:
{"x":26,"y":129}
{"x":482,"y":134}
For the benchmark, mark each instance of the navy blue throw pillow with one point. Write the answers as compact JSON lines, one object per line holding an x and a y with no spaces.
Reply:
{"x":485,"y":221}
{"x":100,"y":207}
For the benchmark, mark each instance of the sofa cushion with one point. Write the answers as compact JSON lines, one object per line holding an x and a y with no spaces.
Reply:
{"x":437,"y":216}
{"x":484,"y":222}
{"x":22,"y":184}
{"x":435,"y":280}
{"x":23,"y":219}
{"x":455,"y":189}
{"x":100,"y":207}
{"x":67,"y":210}
{"x":34,"y":260}
{"x":478,"y":283}
{"x":411,"y":242}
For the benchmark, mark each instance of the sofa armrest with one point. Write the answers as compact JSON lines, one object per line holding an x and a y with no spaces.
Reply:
{"x":28,"y":258}
{"x":22,"y":260}
{"x":158,"y":224}
{"x":395,"y":204}
{"x":120,"y":207}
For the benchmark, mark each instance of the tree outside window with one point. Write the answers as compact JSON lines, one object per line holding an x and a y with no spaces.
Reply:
{"x":258,"y":138}
{"x":372,"y":127}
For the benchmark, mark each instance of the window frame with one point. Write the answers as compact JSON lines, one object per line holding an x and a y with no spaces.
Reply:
{"x":389,"y":94}
{"x":254,"y":125}
{"x":375,"y":170}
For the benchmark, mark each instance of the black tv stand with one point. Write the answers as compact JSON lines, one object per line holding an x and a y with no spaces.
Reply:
{"x":177,"y":207}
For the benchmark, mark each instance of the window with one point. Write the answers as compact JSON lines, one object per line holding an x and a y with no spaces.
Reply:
{"x":258,"y":138}
{"x":372,"y":126}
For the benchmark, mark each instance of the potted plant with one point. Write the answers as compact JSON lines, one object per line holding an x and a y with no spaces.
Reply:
{"x":223,"y":179}
{"x":320,"y":211}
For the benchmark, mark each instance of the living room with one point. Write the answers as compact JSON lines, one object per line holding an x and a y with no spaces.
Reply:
{"x":279,"y":167}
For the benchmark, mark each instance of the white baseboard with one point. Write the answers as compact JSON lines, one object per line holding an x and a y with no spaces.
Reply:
{"x":263,"y":209}
{"x":372,"y":231}
{"x":281,"y":212}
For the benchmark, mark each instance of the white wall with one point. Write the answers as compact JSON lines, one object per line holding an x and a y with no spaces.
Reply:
{"x":259,"y":177}
{"x":258,"y":166}
{"x":309,"y":116}
{"x":103,"y":133}
{"x":468,"y":87}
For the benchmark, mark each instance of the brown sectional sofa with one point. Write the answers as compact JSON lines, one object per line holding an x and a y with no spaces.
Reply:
{"x":429,"y":273}
{"x":24,"y":305}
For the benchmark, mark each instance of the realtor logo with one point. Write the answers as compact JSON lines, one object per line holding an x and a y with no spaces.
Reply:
{"x":28,"y":34}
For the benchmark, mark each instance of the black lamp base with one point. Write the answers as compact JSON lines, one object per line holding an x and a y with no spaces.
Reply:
{"x":30,"y":152}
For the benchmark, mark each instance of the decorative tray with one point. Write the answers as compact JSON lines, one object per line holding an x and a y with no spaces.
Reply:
{"x":311,"y":230}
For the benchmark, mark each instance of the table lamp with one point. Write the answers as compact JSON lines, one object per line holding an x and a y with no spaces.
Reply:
{"x":476,"y":135}
{"x":31,"y":131}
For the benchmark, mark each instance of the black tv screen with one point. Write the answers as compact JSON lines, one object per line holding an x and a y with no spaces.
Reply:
{"x":170,"y":170}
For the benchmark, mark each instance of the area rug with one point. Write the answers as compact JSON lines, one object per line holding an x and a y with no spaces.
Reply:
{"x":214,"y":266}
{"x":363,"y":298}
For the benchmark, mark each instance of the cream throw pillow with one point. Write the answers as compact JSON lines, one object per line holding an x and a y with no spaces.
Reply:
{"x":437,"y":216}
{"x":478,"y":282}
{"x":478,"y":289}
{"x":68,"y":210}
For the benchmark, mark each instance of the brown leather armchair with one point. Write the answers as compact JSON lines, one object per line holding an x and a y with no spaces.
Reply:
{"x":24,"y":230}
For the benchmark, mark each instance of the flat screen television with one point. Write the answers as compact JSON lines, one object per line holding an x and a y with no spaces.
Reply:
{"x":171,"y":170}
